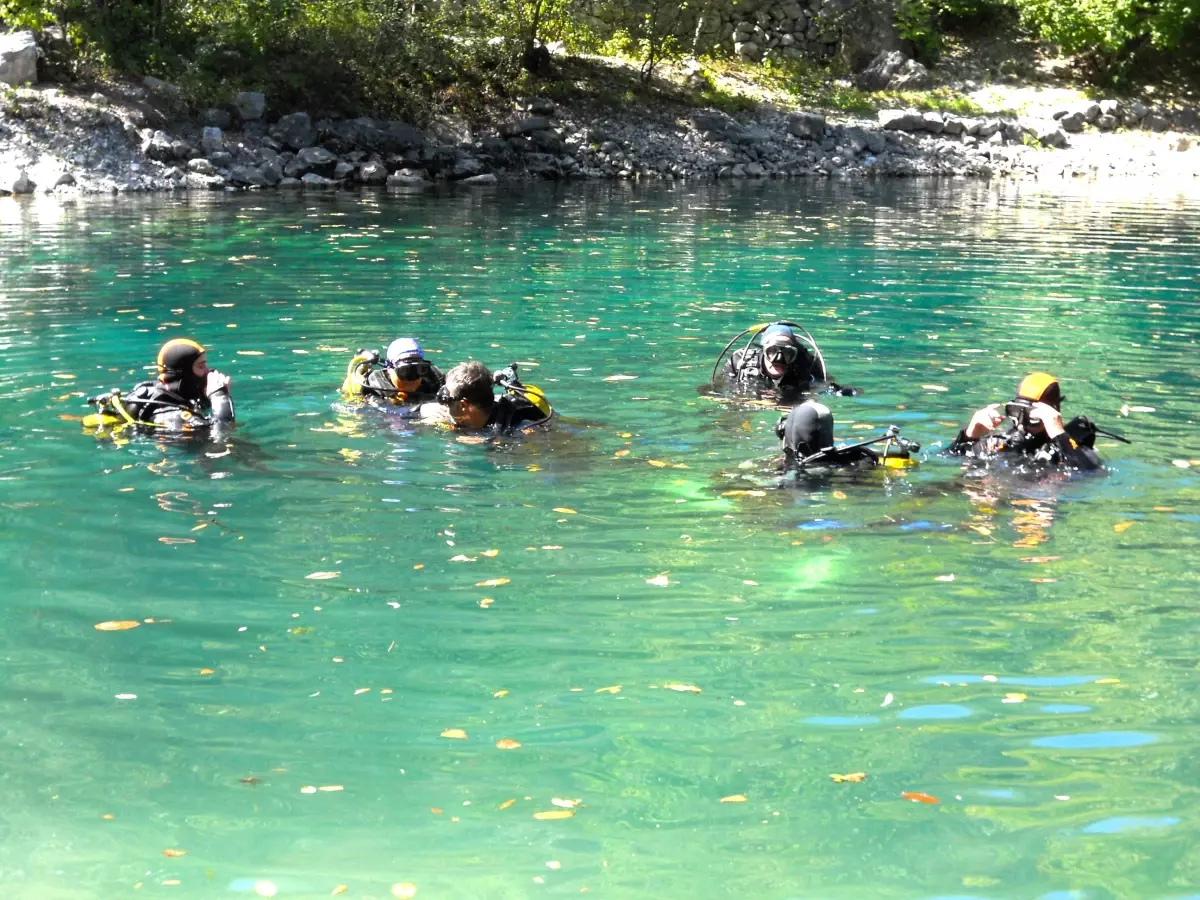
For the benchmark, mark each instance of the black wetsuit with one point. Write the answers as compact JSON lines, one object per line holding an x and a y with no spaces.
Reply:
{"x":377,"y":386}
{"x":834,"y":458}
{"x":514,"y":413}
{"x":746,"y":372}
{"x":1073,"y":449}
{"x":153,"y":404}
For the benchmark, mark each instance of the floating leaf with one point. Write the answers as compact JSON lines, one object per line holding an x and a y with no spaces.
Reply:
{"x":172,"y":852}
{"x":492,"y":582}
{"x":1014,"y":698}
{"x":564,"y":804}
{"x":462,"y":558}
{"x":620,"y":378}
{"x":486,"y":603}
{"x":839,"y":495}
{"x":207,"y":671}
{"x":612,"y":689}
{"x":358,"y":691}
{"x":506,"y":804}
{"x":852,"y":778}
{"x":937,"y":388}
{"x":555,"y":814}
{"x":122,"y":625}
{"x":682,"y":688}
{"x":499,"y":694}
{"x":456,"y":734}
{"x":1108,"y":681}
{"x":734,"y":798}
{"x":322,"y":576}
{"x":1122,"y":526}
{"x":551,"y":546}
{"x":621,"y":453}
{"x":918,"y":797}
{"x":658,"y":463}
{"x":659,"y":580}
{"x":887,"y":700}
{"x":405,"y":890}
{"x":565,"y":510}
{"x":507,"y":744}
{"x":944,"y":577}
{"x":340,"y":889}
{"x":436,"y":810}
{"x":1039,"y":559}
{"x":490,"y":554}
{"x":175,"y":540}
{"x":331,"y":788}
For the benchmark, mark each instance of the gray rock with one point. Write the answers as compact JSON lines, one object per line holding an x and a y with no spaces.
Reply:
{"x":399,"y":180}
{"x":221,"y":159}
{"x":1188,"y":119}
{"x":272,"y":171}
{"x":912,"y":76}
{"x":162,"y":88}
{"x":316,"y":159}
{"x":540,"y":106}
{"x":295,"y":131}
{"x":16,"y":181}
{"x":250,"y":105}
{"x":1154,"y":122}
{"x":933,"y":122}
{"x":249,"y":176}
{"x":343,"y":170}
{"x":464,"y":167}
{"x":158,"y":146}
{"x":754,"y":170}
{"x":988,"y":127}
{"x":1136,"y":112}
{"x":1111,"y":108}
{"x":482,"y":179}
{"x":372,"y":172}
{"x":1051,"y":136}
{"x":18,"y":58}
{"x":861,"y":140}
{"x":313,"y":180}
{"x":747,"y":50}
{"x":66,"y":179}
{"x":1106,"y":122}
{"x":901,"y":120}
{"x":880,"y":72}
{"x":212,"y":139}
{"x":195,"y":181}
{"x":290,"y":184}
{"x":201,"y":166}
{"x":182,"y":149}
{"x":449,"y":129}
{"x":752,"y":134}
{"x":528,"y":125}
{"x":954,"y":125}
{"x":217,"y":118}
{"x":1091,"y":112}
{"x":808,"y":126}
{"x":372,"y":135}
{"x":1072,"y":122}
{"x":547,"y":141}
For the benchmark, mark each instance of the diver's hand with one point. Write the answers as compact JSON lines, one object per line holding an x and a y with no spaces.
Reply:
{"x":1050,"y":417}
{"x":985,"y":420}
{"x":217,"y":381}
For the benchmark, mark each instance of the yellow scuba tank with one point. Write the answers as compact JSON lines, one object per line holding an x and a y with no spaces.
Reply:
{"x":534,"y":395}
{"x":356,"y":373}
{"x":110,"y":413}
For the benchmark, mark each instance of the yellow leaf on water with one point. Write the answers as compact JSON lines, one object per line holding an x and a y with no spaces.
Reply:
{"x":175,"y":540}
{"x":404,"y":890}
{"x":614,"y":689}
{"x":506,"y":804}
{"x":437,"y":811}
{"x":1014,"y":698}
{"x":944,"y":578}
{"x":507,"y":744}
{"x":565,"y":510}
{"x":1108,"y":681}
{"x":734,"y":798}
{"x":123,"y":625}
{"x":658,"y":463}
{"x":308,"y":789}
{"x":207,"y":671}
{"x":486,"y":602}
{"x":490,"y":554}
{"x":172,"y":852}
{"x":682,"y":688}
{"x":555,"y":814}
{"x":499,"y":694}
{"x":660,"y":580}
{"x":462,"y":558}
{"x":852,"y":778}
{"x":455,"y":734}
{"x":322,"y":576}
{"x":839,"y":495}
{"x":935,"y":387}
{"x":621,"y":453}
{"x":340,"y":889}
{"x":563,"y":803}
{"x":331,"y":788}
{"x":418,"y":567}
{"x":1122,"y":526}
{"x":358,"y":691}
{"x":620,"y":378}
{"x":492,"y":582}
{"x":249,"y":353}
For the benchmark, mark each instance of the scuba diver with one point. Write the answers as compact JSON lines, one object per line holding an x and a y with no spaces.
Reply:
{"x":775,"y":363}
{"x":467,"y":401}
{"x":187,"y":396}
{"x":806,"y":437}
{"x":1036,"y":432}
{"x":405,"y":377}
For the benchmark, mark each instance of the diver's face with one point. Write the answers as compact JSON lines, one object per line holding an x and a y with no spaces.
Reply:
{"x":467,"y":414}
{"x":776,"y":359}
{"x":407,"y":377}
{"x":200,"y":366}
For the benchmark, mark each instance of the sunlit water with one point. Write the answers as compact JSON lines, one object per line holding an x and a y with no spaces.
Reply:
{"x":671,"y":632}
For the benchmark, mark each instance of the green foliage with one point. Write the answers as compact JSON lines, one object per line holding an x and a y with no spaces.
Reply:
{"x":917,"y":23}
{"x":26,"y":13}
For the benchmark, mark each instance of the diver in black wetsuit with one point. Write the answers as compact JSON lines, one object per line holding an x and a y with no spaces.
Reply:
{"x":776,"y":364}
{"x":806,"y":436}
{"x":187,"y":396}
{"x":406,"y":377}
{"x":1036,"y":433}
{"x":467,"y":401}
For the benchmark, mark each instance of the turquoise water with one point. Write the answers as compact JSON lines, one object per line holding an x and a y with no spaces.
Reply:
{"x":672,"y":631}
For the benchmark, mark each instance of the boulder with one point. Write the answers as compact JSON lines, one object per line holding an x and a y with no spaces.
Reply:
{"x":988,"y":128}
{"x":211,"y":139}
{"x":464,"y":167}
{"x":1050,"y":135}
{"x":808,"y":126}
{"x":16,"y":181}
{"x":449,"y":129}
{"x":1111,"y":108}
{"x":755,"y":170}
{"x":882,"y":69}
{"x":528,"y":125}
{"x":1106,"y":122}
{"x":481,"y":179}
{"x":222,"y":159}
{"x":316,"y":159}
{"x":217,"y":118}
{"x":933,"y":122}
{"x":1155,"y":122}
{"x":158,"y":146}
{"x":1091,"y":112}
{"x":290,"y":184}
{"x":343,"y":170}
{"x":901,"y":120}
{"x":197,"y":182}
{"x":954,"y":125}
{"x":250,"y":176}
{"x":1188,"y":119}
{"x":372,"y":172}
{"x":18,"y":58}
{"x":719,"y":124}
{"x":272,"y":172}
{"x":547,"y":141}
{"x":1073,"y":122}
{"x":295,"y":131}
{"x":540,"y":106}
{"x":314,"y":181}
{"x":201,"y":166}
{"x":1135,"y":113}
{"x":369,"y":134}
{"x":747,"y":50}
{"x":911,"y":76}
{"x":401,"y":180}
{"x":162,"y":88}
{"x":250,"y":105}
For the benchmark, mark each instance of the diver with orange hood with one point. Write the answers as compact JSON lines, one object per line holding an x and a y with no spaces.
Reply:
{"x":186,"y":396}
{"x":1035,"y":432}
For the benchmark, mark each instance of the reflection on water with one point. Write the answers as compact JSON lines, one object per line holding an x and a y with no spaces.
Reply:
{"x":657,"y":627}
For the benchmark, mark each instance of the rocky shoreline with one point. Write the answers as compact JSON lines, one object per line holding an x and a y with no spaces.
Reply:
{"x":141,"y":137}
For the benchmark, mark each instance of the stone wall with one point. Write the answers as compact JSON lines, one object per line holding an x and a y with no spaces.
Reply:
{"x":783,"y":29}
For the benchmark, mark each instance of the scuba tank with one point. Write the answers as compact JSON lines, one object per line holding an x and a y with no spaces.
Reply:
{"x":360,"y":367}
{"x":508,"y":379}
{"x":110,"y":413}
